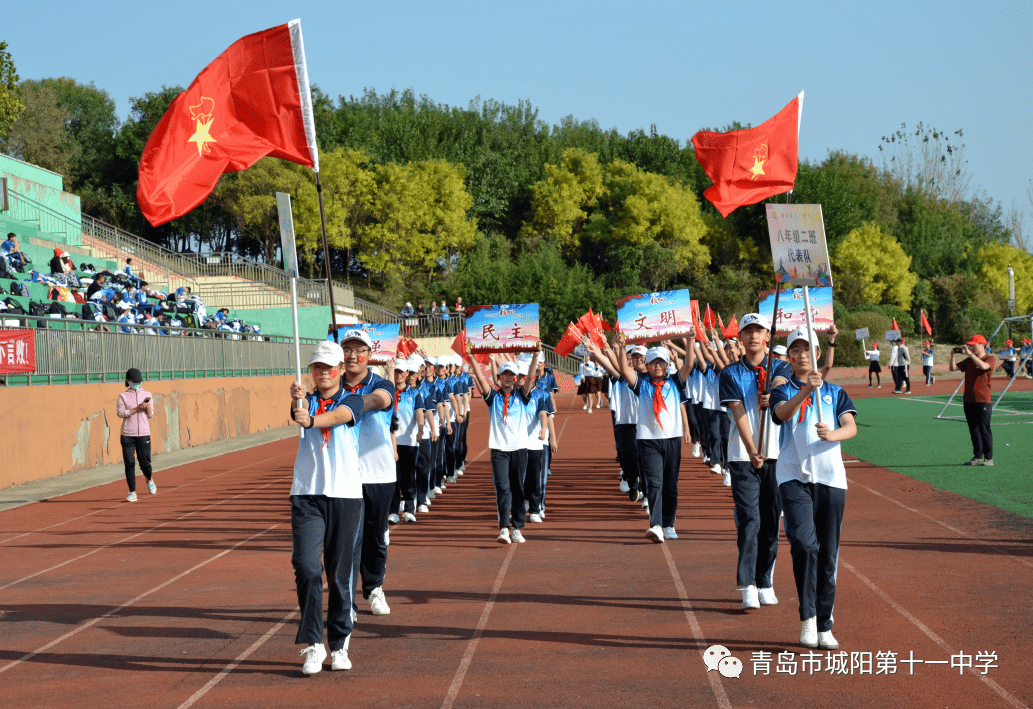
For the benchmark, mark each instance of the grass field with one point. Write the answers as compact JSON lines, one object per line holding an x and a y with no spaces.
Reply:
{"x":902,"y":434}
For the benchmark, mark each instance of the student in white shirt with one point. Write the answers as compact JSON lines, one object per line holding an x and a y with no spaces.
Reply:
{"x":873,"y":364}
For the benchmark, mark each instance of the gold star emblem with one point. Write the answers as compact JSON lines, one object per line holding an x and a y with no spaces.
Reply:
{"x":202,"y":114}
{"x":760,"y":156}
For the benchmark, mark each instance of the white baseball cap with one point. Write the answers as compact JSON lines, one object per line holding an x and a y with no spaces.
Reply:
{"x":417,"y":359}
{"x":457,"y":360}
{"x":510,"y":367}
{"x":754,"y":319}
{"x":356,"y":335}
{"x":412,"y":366}
{"x":780,"y":350}
{"x":327,"y":353}
{"x":636,"y":349}
{"x":800,"y":333}
{"x":401,"y":365}
{"x":523,"y":368}
{"x":442,"y":361}
{"x":658,"y":353}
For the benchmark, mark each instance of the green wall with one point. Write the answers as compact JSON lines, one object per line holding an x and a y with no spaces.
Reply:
{"x":61,"y":219}
{"x":313,"y":320}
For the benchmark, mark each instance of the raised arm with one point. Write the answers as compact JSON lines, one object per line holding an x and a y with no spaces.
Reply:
{"x":690,"y":356}
{"x":601,"y":357}
{"x":533,"y":367}
{"x":830,"y":352}
{"x":625,"y":368}
{"x":478,"y":376}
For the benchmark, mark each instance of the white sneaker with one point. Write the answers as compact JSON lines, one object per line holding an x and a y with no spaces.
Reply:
{"x":750,"y":598}
{"x":461,"y":470}
{"x":645,"y":504}
{"x":437,"y":491}
{"x":408,"y":517}
{"x":624,"y":486}
{"x":809,"y":633}
{"x":422,"y":508}
{"x":517,"y":537}
{"x":697,"y":450}
{"x":314,"y":656}
{"x":340,"y":660}
{"x":590,"y":411}
{"x":669,"y":533}
{"x":715,"y":468}
{"x":393,"y":518}
{"x":727,"y":480}
{"x":131,"y":497}
{"x":152,"y":488}
{"x":503,"y":537}
{"x":655,"y":534}
{"x":826,"y":641}
{"x":452,"y":478}
{"x":387,"y":537}
{"x":585,"y":407}
{"x":377,"y":602}
{"x":767,"y":597}
{"x":430,"y":495}
{"x":533,"y":517}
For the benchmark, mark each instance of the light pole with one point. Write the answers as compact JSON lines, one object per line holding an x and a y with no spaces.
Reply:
{"x":1011,"y":297}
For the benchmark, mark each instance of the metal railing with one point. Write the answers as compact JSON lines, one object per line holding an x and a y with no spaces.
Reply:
{"x":157,"y":262}
{"x":432,"y":325}
{"x":74,"y":356}
{"x":247,"y":296}
{"x":570,"y":365}
{"x":47,"y":220}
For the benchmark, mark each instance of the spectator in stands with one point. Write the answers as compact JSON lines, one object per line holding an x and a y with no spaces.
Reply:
{"x":151,"y":322}
{"x":13,"y":253}
{"x":61,"y":263}
{"x":97,"y":285}
{"x":421,"y":311}
{"x":444,"y":311}
{"x":222,"y":315}
{"x":125,"y":320}
{"x":434,"y":310}
{"x":407,"y":311}
{"x":460,"y":308}
{"x":137,"y":283}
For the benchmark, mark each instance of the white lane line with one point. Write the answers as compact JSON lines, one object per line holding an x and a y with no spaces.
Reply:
{"x":237,"y":660}
{"x":121,"y":503}
{"x":113,"y":611}
{"x":133,"y":536}
{"x":697,"y":632}
{"x":985,"y":542}
{"x":471,"y":648}
{"x":1001,"y":691}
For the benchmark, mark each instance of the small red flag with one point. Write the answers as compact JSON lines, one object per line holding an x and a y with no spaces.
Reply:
{"x":571,"y":339}
{"x":591,"y":325}
{"x":724,"y":332}
{"x":459,"y":345}
{"x":701,"y":336}
{"x":895,"y":325}
{"x":750,"y":165}
{"x":253,"y":100}
{"x":709,"y":320}
{"x":925,"y":325}
{"x":733,"y":328}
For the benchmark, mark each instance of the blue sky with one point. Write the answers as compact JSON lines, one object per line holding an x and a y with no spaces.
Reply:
{"x":866,"y":67}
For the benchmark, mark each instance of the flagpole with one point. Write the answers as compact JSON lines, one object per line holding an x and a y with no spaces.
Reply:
{"x":810,"y":345}
{"x":326,"y":259}
{"x":764,"y":429}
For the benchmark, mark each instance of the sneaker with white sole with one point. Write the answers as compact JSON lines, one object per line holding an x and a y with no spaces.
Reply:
{"x":131,"y":497}
{"x":826,"y":641}
{"x":645,"y":505}
{"x":437,"y":490}
{"x":655,"y":534}
{"x":452,"y":478}
{"x":408,"y":517}
{"x":314,"y":656}
{"x":715,"y":468}
{"x":517,"y":537}
{"x":339,"y":660}
{"x":974,"y":461}
{"x":988,"y":461}
{"x":423,"y":508}
{"x":534,"y":517}
{"x":624,"y":486}
{"x":750,"y":599}
{"x":152,"y":488}
{"x":393,"y":518}
{"x":697,"y":450}
{"x":387,"y":537}
{"x":669,"y":533}
{"x":809,"y":633}
{"x":767,"y":596}
{"x":377,"y":602}
{"x":503,"y":537}
{"x":727,"y":479}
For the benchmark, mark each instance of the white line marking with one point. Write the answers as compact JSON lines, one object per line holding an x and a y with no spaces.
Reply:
{"x":134,"y":536}
{"x":233,"y":665}
{"x":957,"y":531}
{"x":697,"y":632}
{"x":1001,"y":691}
{"x":120,"y":503}
{"x":464,"y":664}
{"x":113,"y":611}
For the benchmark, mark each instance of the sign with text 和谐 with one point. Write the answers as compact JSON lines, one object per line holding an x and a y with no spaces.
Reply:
{"x":790,"y":313}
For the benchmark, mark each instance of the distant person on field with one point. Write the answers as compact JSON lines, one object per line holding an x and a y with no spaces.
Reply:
{"x":1008,"y":357}
{"x":927,"y":363}
{"x":135,"y":407}
{"x":904,"y":364}
{"x":978,"y":368}
{"x":873,"y":365}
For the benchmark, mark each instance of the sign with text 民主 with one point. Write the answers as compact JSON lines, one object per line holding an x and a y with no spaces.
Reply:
{"x":861,"y":333}
{"x":17,"y":351}
{"x":790,"y":313}
{"x":503,"y":328}
{"x":655,"y":316}
{"x":287,"y":246}
{"x":798,"y":248}
{"x":383,"y":336}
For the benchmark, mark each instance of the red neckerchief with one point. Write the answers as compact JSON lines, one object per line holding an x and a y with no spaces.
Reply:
{"x":803,"y":408}
{"x":505,"y":405}
{"x":658,"y":401}
{"x":762,"y":381}
{"x":322,"y":410}
{"x":398,"y":393}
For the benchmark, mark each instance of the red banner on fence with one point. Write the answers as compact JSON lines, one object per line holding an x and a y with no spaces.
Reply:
{"x":17,"y":351}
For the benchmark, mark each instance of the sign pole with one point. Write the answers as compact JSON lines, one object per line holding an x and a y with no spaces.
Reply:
{"x":764,"y":429}
{"x":290,"y":265}
{"x":810,"y":345}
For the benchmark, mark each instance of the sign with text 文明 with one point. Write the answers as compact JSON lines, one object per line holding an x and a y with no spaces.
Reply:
{"x":798,"y":247}
{"x":503,"y":328}
{"x":655,"y":316}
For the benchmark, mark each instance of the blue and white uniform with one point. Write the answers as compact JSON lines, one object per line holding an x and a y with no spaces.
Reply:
{"x":508,"y":421}
{"x":658,"y":437}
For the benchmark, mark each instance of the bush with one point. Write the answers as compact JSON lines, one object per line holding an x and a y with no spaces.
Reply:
{"x":903,"y":317}
{"x":848,"y":348}
{"x":965,"y":323}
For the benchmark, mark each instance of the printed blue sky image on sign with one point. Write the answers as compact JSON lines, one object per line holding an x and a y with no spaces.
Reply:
{"x":384,"y":337}
{"x":287,"y":247}
{"x":798,"y":248}
{"x":790,"y":309}
{"x":503,"y":328}
{"x":655,"y":316}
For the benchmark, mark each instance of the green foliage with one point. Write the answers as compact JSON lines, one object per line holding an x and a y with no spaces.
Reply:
{"x":953,"y":296}
{"x":970,"y":321}
{"x":38,"y":135}
{"x":561,"y":200}
{"x":905,"y":322}
{"x":879,"y":264}
{"x":993,"y":272}
{"x":10,"y":102}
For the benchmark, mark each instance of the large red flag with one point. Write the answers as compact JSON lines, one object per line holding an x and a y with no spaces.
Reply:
{"x":253,"y":100}
{"x":750,"y":165}
{"x":925,"y":325}
{"x":571,"y":339}
{"x":733,"y":328}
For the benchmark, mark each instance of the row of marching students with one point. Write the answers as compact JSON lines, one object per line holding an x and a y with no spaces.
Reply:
{"x":371,"y":448}
{"x":783,"y":458}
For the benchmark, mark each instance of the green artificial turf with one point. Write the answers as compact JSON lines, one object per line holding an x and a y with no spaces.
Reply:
{"x":903,"y":435}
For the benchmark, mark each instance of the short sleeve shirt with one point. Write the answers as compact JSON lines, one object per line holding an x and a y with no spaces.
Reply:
{"x":739,"y":383}
{"x":328,"y":459}
{"x":803,"y":456}
{"x":977,"y":381}
{"x":409,"y":401}
{"x":667,"y":423}
{"x":507,"y":420}
{"x":539,"y":402}
{"x":376,"y":453}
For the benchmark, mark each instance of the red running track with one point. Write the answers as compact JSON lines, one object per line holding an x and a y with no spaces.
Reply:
{"x":187,"y":598}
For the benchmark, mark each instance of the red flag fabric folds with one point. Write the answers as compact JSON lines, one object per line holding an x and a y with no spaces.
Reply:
{"x":253,"y":100}
{"x":571,"y":339}
{"x":925,"y":325}
{"x":724,"y":330}
{"x":708,"y":319}
{"x":750,"y":165}
{"x":895,"y":325}
{"x":733,"y":328}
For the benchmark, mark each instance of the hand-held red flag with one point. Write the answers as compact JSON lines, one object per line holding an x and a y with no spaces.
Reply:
{"x":571,"y":339}
{"x":925,"y":325}
{"x":733,"y":328}
{"x":895,"y":325}
{"x":253,"y":100}
{"x":708,"y":319}
{"x":750,"y":165}
{"x":724,"y":332}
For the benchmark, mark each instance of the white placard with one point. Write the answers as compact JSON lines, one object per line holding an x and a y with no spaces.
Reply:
{"x":798,"y":247}
{"x":290,"y":252}
{"x":861,"y":333}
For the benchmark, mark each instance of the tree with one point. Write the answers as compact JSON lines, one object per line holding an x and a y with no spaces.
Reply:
{"x":927,"y":161}
{"x":562,"y":200}
{"x":994,"y":260}
{"x":879,"y":263}
{"x":10,"y":102}
{"x":38,"y":135}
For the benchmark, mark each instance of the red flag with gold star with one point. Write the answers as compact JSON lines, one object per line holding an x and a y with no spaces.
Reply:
{"x":750,"y":165}
{"x":253,"y":100}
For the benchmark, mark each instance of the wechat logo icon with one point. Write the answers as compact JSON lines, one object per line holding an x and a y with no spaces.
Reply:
{"x":718,"y":657}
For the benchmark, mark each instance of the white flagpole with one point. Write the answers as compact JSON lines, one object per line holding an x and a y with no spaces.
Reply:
{"x":810,"y":344}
